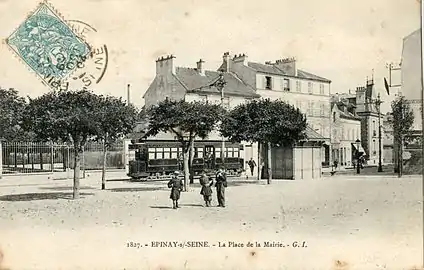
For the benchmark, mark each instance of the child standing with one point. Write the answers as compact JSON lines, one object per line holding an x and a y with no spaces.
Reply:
{"x":206,"y":191}
{"x":176,"y":186}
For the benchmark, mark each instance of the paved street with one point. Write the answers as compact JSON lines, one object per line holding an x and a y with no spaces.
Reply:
{"x":347,"y":222}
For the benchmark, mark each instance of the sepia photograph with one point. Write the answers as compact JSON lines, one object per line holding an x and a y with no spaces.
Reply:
{"x":203,"y":135}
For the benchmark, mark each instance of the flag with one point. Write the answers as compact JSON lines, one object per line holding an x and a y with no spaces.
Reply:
{"x":386,"y":85}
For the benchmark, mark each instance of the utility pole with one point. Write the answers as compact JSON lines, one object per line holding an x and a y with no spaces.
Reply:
{"x":128,"y":94}
{"x":219,"y":84}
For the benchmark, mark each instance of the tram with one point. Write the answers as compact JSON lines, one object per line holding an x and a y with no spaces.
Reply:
{"x":154,"y":159}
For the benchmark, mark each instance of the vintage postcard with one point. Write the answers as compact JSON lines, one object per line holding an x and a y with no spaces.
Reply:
{"x":143,"y":134}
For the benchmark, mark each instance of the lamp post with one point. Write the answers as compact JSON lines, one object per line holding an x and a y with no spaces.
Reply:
{"x":358,"y":145}
{"x":378,"y":103}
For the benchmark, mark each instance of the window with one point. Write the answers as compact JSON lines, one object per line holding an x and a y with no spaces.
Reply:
{"x":298,"y":86}
{"x":299,"y":104}
{"x":268,"y":81}
{"x":167,"y":153}
{"x":321,"y":89}
{"x":310,"y":87}
{"x":374,"y":148}
{"x":374,"y":133}
{"x":322,"y":108}
{"x":227,"y":102}
{"x":311,"y":108}
{"x":334,"y":116}
{"x":286,"y":84}
{"x":203,"y":98}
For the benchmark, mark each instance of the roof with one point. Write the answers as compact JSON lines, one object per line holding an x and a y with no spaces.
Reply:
{"x":346,"y":115}
{"x":195,"y":82}
{"x":312,"y":135}
{"x":272,"y":69}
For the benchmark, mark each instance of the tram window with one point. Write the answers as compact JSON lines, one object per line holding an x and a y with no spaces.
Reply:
{"x":160,"y":150}
{"x":166,"y":155}
{"x":174,"y":154}
{"x":174,"y":149}
{"x":218,"y":154}
{"x":159,"y":155}
{"x":152,"y":150}
{"x":200,"y":153}
{"x":151,"y":155}
{"x":236,"y":153}
{"x":229,"y":153}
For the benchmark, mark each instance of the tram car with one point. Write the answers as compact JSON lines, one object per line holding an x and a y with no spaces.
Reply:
{"x":153,"y":159}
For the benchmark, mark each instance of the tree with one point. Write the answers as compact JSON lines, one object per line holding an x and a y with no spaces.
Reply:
{"x":65,"y":117}
{"x":274,"y":123}
{"x":186,"y":120}
{"x":117,"y":119}
{"x":403,"y":119}
{"x":12,"y":108}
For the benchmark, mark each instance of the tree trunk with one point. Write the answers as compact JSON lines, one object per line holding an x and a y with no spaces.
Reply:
{"x":186,"y":169}
{"x":77,"y":166}
{"x":191,"y":158}
{"x":269,"y":165}
{"x":104,"y":166}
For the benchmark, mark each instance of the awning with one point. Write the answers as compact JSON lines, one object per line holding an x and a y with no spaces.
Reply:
{"x":361,"y":149}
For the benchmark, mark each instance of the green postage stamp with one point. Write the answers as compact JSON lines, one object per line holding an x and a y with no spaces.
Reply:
{"x":48,"y":45}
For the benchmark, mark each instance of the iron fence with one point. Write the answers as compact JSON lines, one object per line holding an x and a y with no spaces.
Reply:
{"x":40,"y":157}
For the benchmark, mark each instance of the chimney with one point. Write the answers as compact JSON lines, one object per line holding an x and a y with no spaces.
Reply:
{"x":241,"y":58}
{"x":128,"y":95}
{"x":200,"y":67}
{"x":288,"y":65}
{"x":165,"y":65}
{"x":226,"y":60}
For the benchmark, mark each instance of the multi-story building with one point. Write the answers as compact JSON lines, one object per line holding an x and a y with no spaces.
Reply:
{"x":366,"y":109}
{"x":411,"y":77}
{"x":198,"y":84}
{"x":283,"y":80}
{"x":346,"y":129}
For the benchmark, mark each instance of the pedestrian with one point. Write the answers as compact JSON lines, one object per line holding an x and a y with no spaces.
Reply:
{"x":206,"y":182}
{"x":176,"y":186}
{"x":221,"y":184}
{"x":252,"y":165}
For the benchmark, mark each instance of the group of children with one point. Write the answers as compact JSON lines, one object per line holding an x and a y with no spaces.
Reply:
{"x":176,"y":186}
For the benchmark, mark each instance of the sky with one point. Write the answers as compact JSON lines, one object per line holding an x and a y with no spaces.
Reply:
{"x":341,"y":40}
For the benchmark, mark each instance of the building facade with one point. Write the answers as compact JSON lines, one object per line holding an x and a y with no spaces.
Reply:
{"x":367,"y":110}
{"x":388,"y":139}
{"x":411,"y":76}
{"x":197,"y":84}
{"x":346,"y":129}
{"x":283,"y":80}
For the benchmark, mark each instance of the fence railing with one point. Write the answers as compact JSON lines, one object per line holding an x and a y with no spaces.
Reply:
{"x":39,"y":157}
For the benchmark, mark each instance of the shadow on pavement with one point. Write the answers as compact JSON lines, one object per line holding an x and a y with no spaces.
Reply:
{"x":64,"y":188}
{"x":136,"y":189}
{"x":161,"y":207}
{"x":40,"y":196}
{"x":191,"y":205}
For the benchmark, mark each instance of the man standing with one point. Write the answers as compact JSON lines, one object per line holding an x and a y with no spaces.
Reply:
{"x":176,"y":186}
{"x":221,"y":184}
{"x":252,"y":165}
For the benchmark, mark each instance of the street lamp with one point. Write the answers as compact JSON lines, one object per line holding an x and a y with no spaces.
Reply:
{"x":358,"y":144}
{"x":378,"y":103}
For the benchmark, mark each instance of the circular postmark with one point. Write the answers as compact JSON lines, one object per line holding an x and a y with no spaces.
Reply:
{"x":90,"y":70}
